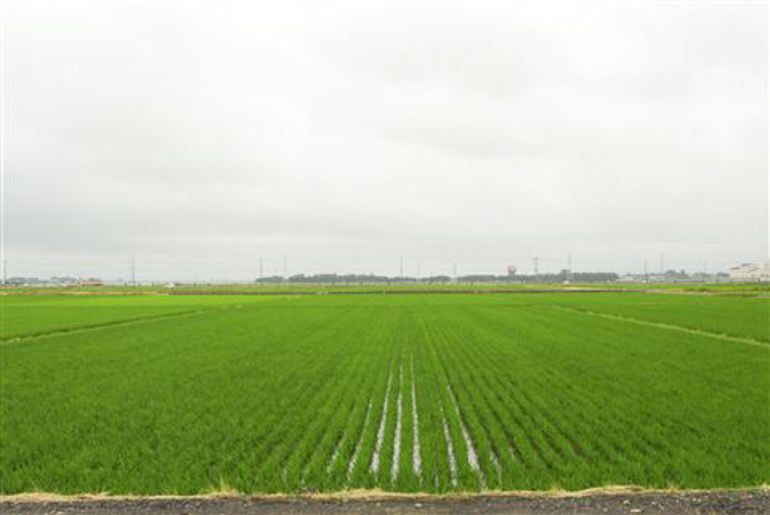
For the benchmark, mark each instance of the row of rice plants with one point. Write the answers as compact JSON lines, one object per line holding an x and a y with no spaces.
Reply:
{"x":197,"y":405}
{"x":271,"y":410}
{"x":467,"y":477}
{"x":437,"y":457}
{"x":401,"y":473}
{"x":735,"y":316}
{"x":619,"y":406}
{"x":361,"y":473}
{"x":412,"y":393}
{"x":569,"y":414}
{"x":326,"y":457}
{"x":675,"y":381}
{"x":524,"y":431}
{"x":405,"y":473}
{"x":583,"y":447}
{"x":305,"y":423}
{"x":563,"y":433}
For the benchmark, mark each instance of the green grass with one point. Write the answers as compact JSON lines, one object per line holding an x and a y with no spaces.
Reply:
{"x":281,"y":393}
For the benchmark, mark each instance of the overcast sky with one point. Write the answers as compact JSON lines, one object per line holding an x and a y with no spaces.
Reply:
{"x":199,"y":136}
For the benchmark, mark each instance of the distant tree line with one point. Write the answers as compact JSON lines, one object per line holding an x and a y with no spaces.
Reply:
{"x":564,"y":275}
{"x":560,"y":277}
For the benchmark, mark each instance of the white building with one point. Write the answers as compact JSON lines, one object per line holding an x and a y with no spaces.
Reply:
{"x":751,"y":272}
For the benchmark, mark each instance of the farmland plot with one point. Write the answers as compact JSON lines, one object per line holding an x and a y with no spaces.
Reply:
{"x":403,"y":393}
{"x":732,"y":316}
{"x":25,"y":316}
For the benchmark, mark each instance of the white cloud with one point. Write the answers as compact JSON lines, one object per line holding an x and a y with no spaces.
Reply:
{"x":198,"y":136}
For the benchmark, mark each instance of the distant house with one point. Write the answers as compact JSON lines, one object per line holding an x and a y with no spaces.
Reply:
{"x":90,"y":282}
{"x":751,"y":272}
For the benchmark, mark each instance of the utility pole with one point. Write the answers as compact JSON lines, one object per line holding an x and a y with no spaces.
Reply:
{"x":133,"y":271}
{"x":535,"y":262}
{"x":2,"y":151}
{"x":5,"y":271}
{"x":646,"y":278}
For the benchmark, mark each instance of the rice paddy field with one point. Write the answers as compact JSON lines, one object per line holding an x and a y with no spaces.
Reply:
{"x":184,"y":394}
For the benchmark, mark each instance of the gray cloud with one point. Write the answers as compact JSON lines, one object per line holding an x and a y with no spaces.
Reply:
{"x":198,"y":136}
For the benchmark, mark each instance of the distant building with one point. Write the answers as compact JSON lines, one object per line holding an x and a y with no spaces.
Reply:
{"x":751,"y":272}
{"x":23,"y":281}
{"x":90,"y":282}
{"x":63,"y":281}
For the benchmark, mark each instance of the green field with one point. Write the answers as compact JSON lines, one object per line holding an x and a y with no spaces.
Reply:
{"x":150,"y":394}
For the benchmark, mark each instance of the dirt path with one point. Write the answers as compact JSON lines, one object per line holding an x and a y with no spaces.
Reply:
{"x":747,"y":502}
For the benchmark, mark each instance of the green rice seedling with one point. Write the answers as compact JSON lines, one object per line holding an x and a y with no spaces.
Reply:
{"x":184,"y":395}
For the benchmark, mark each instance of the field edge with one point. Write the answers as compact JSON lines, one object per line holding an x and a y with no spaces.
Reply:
{"x":377,"y":494}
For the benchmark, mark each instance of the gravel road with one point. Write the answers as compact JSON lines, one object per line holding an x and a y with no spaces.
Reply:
{"x":746,"y":502}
